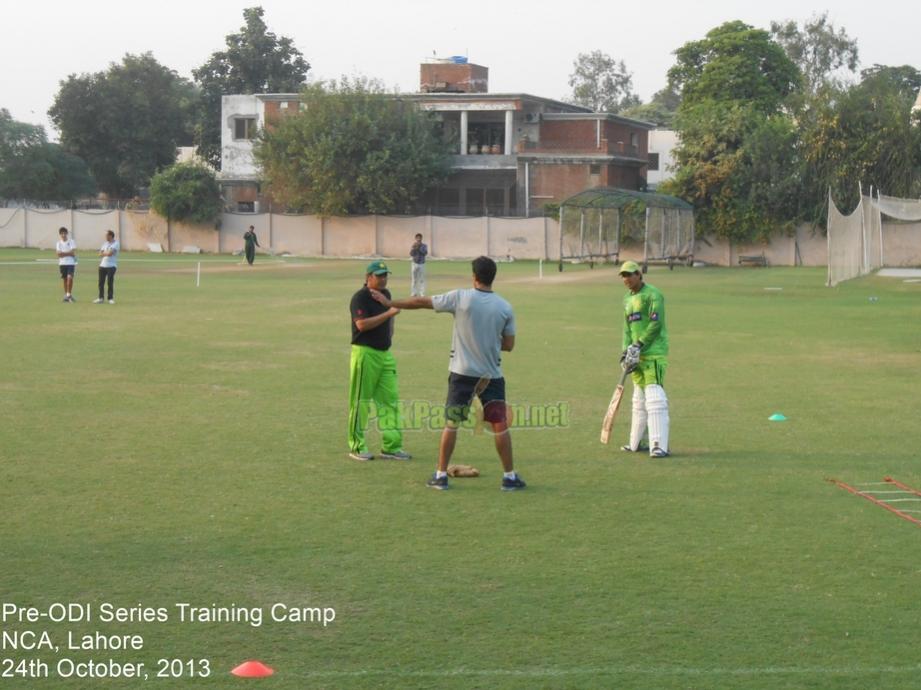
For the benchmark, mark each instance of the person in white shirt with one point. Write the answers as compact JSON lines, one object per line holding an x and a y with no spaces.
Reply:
{"x":484,"y":328}
{"x":107,"y":267}
{"x":67,"y":263}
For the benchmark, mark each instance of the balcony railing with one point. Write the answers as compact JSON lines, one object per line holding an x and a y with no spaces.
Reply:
{"x":609,"y":148}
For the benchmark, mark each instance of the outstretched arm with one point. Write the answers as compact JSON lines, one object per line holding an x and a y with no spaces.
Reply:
{"x":410,"y":303}
{"x":375,"y":321}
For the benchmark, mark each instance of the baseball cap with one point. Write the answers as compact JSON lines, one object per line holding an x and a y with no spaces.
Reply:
{"x":378,"y":268}
{"x":629,"y":267}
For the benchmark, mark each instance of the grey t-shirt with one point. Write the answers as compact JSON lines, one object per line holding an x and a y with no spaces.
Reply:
{"x":480,"y":320}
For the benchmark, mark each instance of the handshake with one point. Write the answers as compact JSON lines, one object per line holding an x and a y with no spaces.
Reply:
{"x":630,"y":357}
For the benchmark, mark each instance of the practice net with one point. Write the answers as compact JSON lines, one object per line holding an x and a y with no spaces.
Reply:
{"x":855,"y":241}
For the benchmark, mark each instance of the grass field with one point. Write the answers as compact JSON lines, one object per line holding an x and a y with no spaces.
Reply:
{"x":187,"y":445}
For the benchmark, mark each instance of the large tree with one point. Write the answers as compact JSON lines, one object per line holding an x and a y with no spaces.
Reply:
{"x":125,"y":122}
{"x":33,"y":168}
{"x":734,"y":84}
{"x":819,"y":50}
{"x":601,"y":83}
{"x":352,"y":148}
{"x":863,"y":136}
{"x":255,"y":60}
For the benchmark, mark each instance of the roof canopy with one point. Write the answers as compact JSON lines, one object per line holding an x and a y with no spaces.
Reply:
{"x":610,"y":197}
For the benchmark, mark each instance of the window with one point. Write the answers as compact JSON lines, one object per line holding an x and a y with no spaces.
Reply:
{"x":634,"y":139}
{"x":244,"y":128}
{"x":653,"y":163}
{"x":594,"y":169}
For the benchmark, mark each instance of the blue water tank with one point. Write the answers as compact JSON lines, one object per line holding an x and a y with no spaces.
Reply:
{"x":459,"y":59}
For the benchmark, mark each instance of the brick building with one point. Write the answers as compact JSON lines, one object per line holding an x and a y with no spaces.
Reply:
{"x":515,"y":152}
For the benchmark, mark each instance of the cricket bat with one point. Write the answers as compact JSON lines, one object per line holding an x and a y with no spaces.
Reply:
{"x":613,"y":406}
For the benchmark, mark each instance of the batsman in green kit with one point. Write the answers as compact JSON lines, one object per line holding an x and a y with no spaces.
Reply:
{"x":645,"y":350}
{"x":373,"y":370}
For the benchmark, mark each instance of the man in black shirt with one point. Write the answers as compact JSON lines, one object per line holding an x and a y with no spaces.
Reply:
{"x":373,"y":370}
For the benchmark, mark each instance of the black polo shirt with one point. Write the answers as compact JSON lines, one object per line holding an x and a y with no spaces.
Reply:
{"x":364,"y":306}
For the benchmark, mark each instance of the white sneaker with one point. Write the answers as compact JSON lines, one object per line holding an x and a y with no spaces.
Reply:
{"x":111,"y":301}
{"x":98,"y":300}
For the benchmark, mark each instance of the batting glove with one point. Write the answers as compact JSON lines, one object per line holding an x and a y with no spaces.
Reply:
{"x":631,"y":356}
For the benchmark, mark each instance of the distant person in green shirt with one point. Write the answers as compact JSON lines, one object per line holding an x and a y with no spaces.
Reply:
{"x":249,"y":237}
{"x":646,"y":349}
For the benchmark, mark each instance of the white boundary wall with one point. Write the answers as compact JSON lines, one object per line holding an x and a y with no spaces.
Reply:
{"x":391,"y":236}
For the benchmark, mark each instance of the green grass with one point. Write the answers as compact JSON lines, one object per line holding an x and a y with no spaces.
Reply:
{"x":188,"y":445}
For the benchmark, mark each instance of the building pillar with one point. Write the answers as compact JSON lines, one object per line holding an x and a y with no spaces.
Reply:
{"x":463,"y":133}
{"x":509,"y":116}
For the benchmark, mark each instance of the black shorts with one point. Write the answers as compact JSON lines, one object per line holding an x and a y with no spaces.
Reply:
{"x":67,"y":270}
{"x":460,"y":395}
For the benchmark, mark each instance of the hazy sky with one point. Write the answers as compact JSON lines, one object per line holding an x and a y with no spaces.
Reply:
{"x":528,"y":46}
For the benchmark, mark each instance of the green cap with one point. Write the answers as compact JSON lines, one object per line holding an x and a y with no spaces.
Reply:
{"x":629,"y":267}
{"x":378,"y":268}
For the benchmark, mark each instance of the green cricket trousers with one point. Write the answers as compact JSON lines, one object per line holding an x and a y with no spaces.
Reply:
{"x":373,"y":376}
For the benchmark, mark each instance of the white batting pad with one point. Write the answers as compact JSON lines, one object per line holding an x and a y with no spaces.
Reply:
{"x":638,"y":420}
{"x":657,"y":409}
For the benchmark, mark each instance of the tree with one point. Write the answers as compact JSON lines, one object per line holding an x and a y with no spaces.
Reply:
{"x":33,"y":168}
{"x":186,"y":192}
{"x":736,"y":140}
{"x":660,"y":110}
{"x":862,"y":136}
{"x":125,"y":122}
{"x":352,"y":149}
{"x":735,"y":62}
{"x":254,"y":61}
{"x":601,"y":83}
{"x":818,"y":50}
{"x":906,"y":78}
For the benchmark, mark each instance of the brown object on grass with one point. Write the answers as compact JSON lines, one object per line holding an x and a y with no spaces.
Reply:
{"x":463,"y":471}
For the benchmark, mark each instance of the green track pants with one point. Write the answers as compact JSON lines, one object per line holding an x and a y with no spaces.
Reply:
{"x":373,"y":376}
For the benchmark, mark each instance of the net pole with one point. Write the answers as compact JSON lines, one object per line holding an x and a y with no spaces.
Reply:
{"x":562,"y":210}
{"x":198,"y":275}
{"x":864,"y":230}
{"x":646,"y":240}
{"x":828,"y":238}
{"x":881,"y":264}
{"x":602,"y":242}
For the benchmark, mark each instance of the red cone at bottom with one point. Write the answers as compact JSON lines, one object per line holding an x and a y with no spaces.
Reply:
{"x":252,"y":669}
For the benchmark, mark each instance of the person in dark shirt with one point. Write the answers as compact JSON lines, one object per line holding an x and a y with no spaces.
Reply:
{"x":250,"y":243}
{"x":418,"y":252}
{"x":373,"y":370}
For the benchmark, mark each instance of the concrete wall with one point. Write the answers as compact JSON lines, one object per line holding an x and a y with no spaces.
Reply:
{"x":391,"y":236}
{"x":663,"y":142}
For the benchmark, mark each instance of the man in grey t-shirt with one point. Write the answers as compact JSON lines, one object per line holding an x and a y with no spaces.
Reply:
{"x":484,"y":326}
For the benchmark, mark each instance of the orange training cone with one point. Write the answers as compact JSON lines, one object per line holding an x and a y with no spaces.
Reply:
{"x":252,"y":669}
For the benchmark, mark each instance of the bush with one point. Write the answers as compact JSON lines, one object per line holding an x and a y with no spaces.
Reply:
{"x":186,"y":192}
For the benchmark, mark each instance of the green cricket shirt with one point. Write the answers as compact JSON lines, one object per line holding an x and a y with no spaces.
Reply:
{"x":644,"y":321}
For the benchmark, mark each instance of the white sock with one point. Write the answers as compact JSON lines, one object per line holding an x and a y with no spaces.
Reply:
{"x":509,"y":475}
{"x":439,"y":474}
